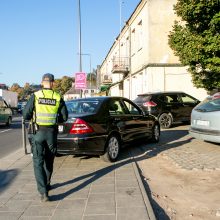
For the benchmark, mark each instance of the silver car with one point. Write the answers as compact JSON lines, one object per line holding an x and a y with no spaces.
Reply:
{"x":205,"y":120}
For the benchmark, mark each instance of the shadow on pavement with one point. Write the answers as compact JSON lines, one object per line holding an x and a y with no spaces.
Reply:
{"x":159,"y":212}
{"x":146,"y":151}
{"x":93,"y":176}
{"x":124,"y":159}
{"x":169,"y":139}
{"x":7,"y":177}
{"x":172,"y":135}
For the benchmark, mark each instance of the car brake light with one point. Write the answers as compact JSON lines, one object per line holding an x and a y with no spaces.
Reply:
{"x":149,"y":104}
{"x":80,"y":127}
{"x":216,"y":96}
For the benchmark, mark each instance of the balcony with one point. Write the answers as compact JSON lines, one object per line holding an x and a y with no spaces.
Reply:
{"x":120,"y":65}
{"x":107,"y":80}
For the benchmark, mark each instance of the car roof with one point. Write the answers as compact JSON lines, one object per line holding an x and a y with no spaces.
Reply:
{"x":159,"y":93}
{"x":96,"y":98}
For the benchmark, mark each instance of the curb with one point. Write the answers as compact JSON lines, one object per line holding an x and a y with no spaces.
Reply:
{"x":149,"y":208}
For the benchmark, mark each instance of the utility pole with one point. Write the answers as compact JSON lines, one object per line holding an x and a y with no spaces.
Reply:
{"x":90,"y":66}
{"x":80,"y":44}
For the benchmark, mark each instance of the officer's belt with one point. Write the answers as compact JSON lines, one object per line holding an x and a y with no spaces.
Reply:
{"x":42,"y":127}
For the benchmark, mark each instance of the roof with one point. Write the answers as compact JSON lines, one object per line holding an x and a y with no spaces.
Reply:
{"x":97,"y":98}
{"x":72,"y":90}
{"x":157,"y":93}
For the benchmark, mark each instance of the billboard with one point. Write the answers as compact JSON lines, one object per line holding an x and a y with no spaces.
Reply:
{"x":80,"y":80}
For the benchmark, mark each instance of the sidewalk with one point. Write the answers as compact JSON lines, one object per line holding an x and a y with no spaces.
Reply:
{"x":84,"y":188}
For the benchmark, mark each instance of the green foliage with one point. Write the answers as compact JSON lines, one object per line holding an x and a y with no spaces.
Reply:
{"x":63,"y":85}
{"x":91,"y":78}
{"x":24,"y":93}
{"x":196,"y":40}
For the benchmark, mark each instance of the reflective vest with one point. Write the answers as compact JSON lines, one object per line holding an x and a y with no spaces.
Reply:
{"x":46,"y":107}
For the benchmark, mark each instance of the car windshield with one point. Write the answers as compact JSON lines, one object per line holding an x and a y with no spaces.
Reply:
{"x":209,"y":105}
{"x":82,"y":106}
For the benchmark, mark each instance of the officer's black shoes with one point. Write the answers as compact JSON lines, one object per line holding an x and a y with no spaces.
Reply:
{"x":44,"y":197}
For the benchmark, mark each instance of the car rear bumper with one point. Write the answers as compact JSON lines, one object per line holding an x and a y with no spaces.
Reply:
{"x":87,"y":146}
{"x":204,"y":134}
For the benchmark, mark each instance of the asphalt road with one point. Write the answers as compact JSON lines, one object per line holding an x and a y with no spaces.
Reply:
{"x":11,"y":137}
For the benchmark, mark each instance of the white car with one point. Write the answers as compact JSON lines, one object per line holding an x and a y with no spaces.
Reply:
{"x":205,"y":120}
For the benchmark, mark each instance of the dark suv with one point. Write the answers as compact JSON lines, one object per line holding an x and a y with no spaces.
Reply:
{"x":168,"y":107}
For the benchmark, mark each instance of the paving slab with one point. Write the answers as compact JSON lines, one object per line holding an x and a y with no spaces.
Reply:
{"x":84,"y":188}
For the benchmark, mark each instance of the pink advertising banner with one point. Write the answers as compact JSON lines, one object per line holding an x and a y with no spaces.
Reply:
{"x":80,"y":80}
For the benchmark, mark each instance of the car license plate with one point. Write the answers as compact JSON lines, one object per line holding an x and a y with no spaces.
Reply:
{"x":60,"y":128}
{"x":203,"y":123}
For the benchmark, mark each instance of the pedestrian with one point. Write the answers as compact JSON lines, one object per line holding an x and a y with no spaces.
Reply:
{"x":46,"y":108}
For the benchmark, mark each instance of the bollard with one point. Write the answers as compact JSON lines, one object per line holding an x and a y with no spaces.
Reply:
{"x":24,"y":136}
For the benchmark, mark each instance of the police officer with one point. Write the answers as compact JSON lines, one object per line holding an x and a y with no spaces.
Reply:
{"x":45,"y":107}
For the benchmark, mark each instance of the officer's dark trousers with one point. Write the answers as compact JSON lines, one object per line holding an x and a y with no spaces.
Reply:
{"x":44,"y":150}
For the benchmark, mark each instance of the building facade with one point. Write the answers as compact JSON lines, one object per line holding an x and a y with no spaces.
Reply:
{"x":140,"y":60}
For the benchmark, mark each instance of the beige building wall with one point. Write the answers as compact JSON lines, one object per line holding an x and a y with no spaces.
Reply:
{"x":153,"y":65}
{"x":161,"y":19}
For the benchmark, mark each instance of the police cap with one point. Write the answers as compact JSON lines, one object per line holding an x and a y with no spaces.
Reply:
{"x":48,"y":77}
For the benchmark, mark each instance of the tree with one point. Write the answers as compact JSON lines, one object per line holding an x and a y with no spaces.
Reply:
{"x":196,"y":39}
{"x":57,"y":85}
{"x":66,"y":84}
{"x":16,"y":88}
{"x":27,"y":91}
{"x":91,"y":77}
{"x":63,"y":85}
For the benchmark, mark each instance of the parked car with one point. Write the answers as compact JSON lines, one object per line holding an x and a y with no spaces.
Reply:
{"x":205,"y":120}
{"x":168,"y":107}
{"x":103,"y":125}
{"x":5,"y":113}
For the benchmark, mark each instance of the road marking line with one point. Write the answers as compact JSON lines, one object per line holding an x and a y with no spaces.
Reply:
{"x":5,"y":130}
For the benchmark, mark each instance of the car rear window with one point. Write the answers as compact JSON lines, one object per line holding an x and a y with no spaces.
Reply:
{"x":82,"y":106}
{"x":142,"y":98}
{"x":209,"y":105}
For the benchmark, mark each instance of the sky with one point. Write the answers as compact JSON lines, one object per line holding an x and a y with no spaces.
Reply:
{"x":42,"y":36}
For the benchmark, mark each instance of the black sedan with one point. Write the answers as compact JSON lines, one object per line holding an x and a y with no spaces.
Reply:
{"x":103,"y":125}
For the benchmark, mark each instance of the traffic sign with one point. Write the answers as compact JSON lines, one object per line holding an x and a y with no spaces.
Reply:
{"x":80,"y":80}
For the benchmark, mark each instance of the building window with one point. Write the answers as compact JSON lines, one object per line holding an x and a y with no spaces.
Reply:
{"x":140,"y":35}
{"x":127,"y":47}
{"x":133,"y":42}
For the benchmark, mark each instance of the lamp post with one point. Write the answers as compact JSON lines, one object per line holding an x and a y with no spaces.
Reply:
{"x":90,"y":66}
{"x":80,"y":45}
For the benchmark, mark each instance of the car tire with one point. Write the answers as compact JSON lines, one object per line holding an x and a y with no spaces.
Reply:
{"x":112,"y":149}
{"x":155,"y":134}
{"x":165,"y":120}
{"x":8,"y":123}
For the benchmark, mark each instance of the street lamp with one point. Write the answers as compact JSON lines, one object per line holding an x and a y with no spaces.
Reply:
{"x":90,"y":66}
{"x":80,"y":46}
